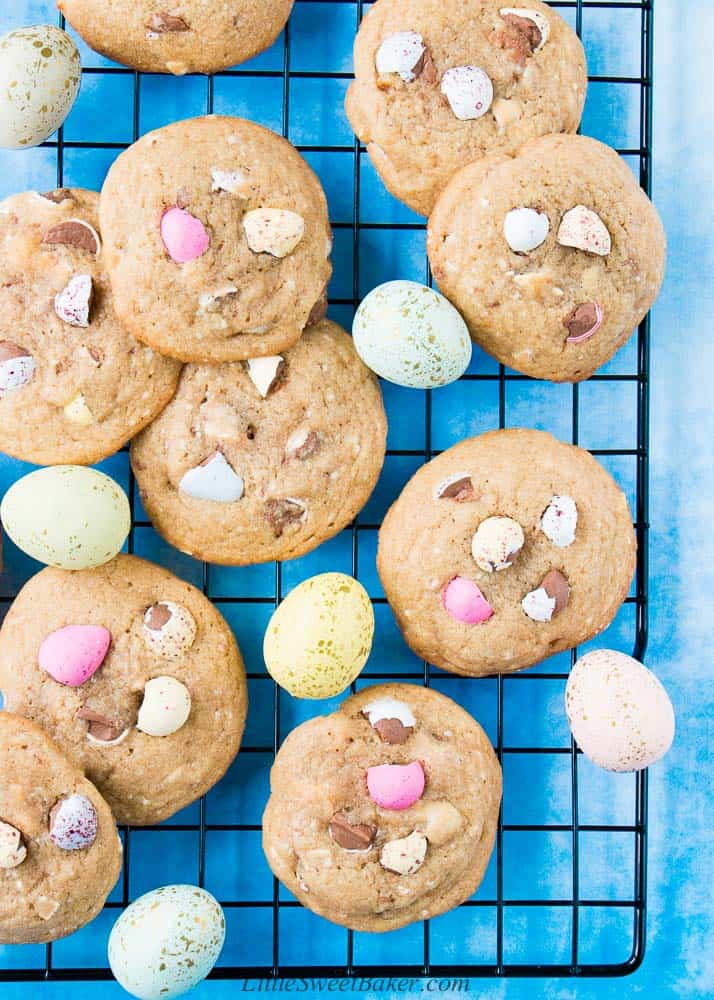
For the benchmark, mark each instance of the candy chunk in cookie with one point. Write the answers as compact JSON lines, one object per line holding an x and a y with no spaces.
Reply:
{"x":214,"y":479}
{"x":406,"y":855}
{"x":101,"y":729}
{"x":73,"y":823}
{"x":525,"y":229}
{"x":583,"y":229}
{"x":469,"y":91}
{"x":583,"y":322}
{"x":393,"y":719}
{"x":560,"y":520}
{"x":230,"y":181}
{"x":458,"y":487}
{"x":549,"y":599}
{"x":303,"y":444}
{"x":169,"y":629}
{"x":524,"y":32}
{"x":281,"y":512}
{"x":351,"y":836}
{"x":165,"y":708}
{"x":77,"y":411}
{"x":266,"y":373}
{"x":211,"y":302}
{"x":464,"y":602}
{"x":184,"y":236}
{"x":163,"y":23}
{"x":396,"y":786}
{"x":402,"y":53}
{"x":73,"y":654}
{"x":438,"y":820}
{"x":12,"y":850}
{"x":276,"y":231}
{"x":75,"y":233}
{"x":73,"y":303}
{"x":17,"y":366}
{"x":496,"y":543}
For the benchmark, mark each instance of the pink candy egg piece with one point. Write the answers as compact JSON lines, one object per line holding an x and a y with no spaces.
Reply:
{"x":73,"y":653}
{"x":464,"y":601}
{"x":396,"y":786}
{"x":185,"y":237}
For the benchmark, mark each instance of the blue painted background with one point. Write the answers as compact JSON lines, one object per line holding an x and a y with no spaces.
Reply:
{"x":679,"y":960}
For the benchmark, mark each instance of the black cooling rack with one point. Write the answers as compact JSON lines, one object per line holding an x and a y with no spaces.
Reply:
{"x":503,"y":964}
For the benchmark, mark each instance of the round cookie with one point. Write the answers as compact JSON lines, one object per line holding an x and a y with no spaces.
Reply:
{"x":441,"y":83}
{"x":216,"y":240}
{"x":178,"y":36}
{"x":60,"y":853}
{"x":75,"y":386}
{"x":267,"y":459}
{"x":552,"y":257}
{"x":136,"y":676}
{"x":384,"y":812}
{"x":505,"y":549}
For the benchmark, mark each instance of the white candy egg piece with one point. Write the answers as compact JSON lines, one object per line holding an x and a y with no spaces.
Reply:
{"x":619,"y":713}
{"x":411,"y":335}
{"x":40,"y":73}
{"x":167,"y":942}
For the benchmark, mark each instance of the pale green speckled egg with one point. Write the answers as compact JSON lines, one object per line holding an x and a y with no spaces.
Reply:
{"x":319,"y":638}
{"x":67,"y":516}
{"x":40,"y":73}
{"x":167,"y":941}
{"x":411,"y":335}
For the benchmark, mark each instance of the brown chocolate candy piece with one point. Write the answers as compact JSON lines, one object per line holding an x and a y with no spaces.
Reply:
{"x":319,"y":310}
{"x":393,"y":731}
{"x":9,"y":351}
{"x":308,"y":448}
{"x":425,"y":69}
{"x":73,"y":233}
{"x":583,"y":320}
{"x":280,"y":512}
{"x":520,"y":36}
{"x":157,"y":616}
{"x":557,"y":588}
{"x":58,"y":195}
{"x":100,"y":727}
{"x":351,"y":837}
{"x":459,"y":489}
{"x":164,"y":22}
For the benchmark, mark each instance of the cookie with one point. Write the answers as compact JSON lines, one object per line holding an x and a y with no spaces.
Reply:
{"x":178,"y":36}
{"x":136,"y":676}
{"x":75,"y":386}
{"x":216,"y":240}
{"x":60,"y":853}
{"x":267,"y":459}
{"x":441,"y":83}
{"x":506,"y":549}
{"x":384,"y":812}
{"x":552,"y":257}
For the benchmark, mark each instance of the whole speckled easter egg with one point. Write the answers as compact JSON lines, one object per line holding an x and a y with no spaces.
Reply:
{"x":619,"y":713}
{"x":67,"y":516}
{"x":319,"y":638}
{"x":40,"y":73}
{"x":409,"y":334}
{"x":167,"y":941}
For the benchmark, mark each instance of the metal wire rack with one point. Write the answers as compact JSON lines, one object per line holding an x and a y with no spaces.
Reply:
{"x":347,"y":957}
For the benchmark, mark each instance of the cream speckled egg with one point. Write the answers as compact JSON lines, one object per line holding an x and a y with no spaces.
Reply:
{"x":410,"y":334}
{"x":40,"y":73}
{"x":619,"y":713}
{"x":319,"y":638}
{"x":167,"y":941}
{"x":67,"y":516}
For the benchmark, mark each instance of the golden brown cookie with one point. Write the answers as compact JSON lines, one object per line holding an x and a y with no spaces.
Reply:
{"x":505,"y":549}
{"x":552,"y":257}
{"x":384,"y":812}
{"x":178,"y":36}
{"x":75,"y":386}
{"x":136,"y":676}
{"x":60,"y":853}
{"x":217,"y":240}
{"x":441,"y":83}
{"x":264,"y":459}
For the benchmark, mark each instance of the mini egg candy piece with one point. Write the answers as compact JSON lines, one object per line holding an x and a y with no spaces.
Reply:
{"x":214,"y":479}
{"x":166,"y":942}
{"x":458,"y":487}
{"x":73,"y":654}
{"x":276,"y":231}
{"x":400,"y":53}
{"x":583,"y":322}
{"x":77,"y":411}
{"x":525,"y":229}
{"x":265,"y":373}
{"x":393,"y":719}
{"x":404,"y":856}
{"x":73,"y":823}
{"x":549,"y":599}
{"x":12,"y":850}
{"x":165,"y":708}
{"x":411,"y":335}
{"x":351,"y":836}
{"x":17,"y":367}
{"x":396,"y":786}
{"x":559,"y":521}
{"x":618,"y":711}
{"x":40,"y":73}
{"x":184,"y":236}
{"x":464,"y":602}
{"x":469,"y":91}
{"x":496,"y":543}
{"x":169,"y":629}
{"x":73,"y":303}
{"x":68,"y":516}
{"x":583,"y":229}
{"x":320,"y":637}
{"x":530,"y":22}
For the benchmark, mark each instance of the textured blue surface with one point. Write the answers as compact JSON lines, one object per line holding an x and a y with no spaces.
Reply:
{"x":679,"y":959}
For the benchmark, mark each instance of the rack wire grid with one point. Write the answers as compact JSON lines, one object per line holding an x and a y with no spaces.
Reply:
{"x":565,"y":892}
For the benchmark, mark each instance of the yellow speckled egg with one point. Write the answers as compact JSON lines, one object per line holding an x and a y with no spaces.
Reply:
{"x":67,"y":516}
{"x":40,"y":73}
{"x":319,"y":638}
